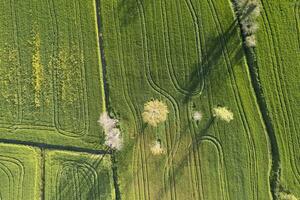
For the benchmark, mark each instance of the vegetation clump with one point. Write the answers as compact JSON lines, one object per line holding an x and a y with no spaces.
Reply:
{"x":286,"y":196}
{"x":248,"y":11}
{"x":113,"y":137}
{"x":223,"y":113}
{"x":197,"y":116}
{"x":155,"y":112}
{"x":156,"y":148}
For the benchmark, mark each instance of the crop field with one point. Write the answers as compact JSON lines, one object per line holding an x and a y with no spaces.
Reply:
{"x":77,"y":176}
{"x":49,"y":92}
{"x":280,"y":74}
{"x":226,"y":91}
{"x":19,"y":172}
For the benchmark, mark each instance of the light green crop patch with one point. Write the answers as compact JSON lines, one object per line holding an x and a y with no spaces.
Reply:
{"x":78,"y":176}
{"x":37,"y":68}
{"x":19,"y":172}
{"x":50,"y":73}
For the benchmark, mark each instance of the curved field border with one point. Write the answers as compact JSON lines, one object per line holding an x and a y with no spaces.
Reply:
{"x":222,"y":170}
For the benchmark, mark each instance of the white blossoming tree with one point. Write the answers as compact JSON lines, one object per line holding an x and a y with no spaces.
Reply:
{"x":155,"y":112}
{"x":113,"y":138}
{"x":197,"y":116}
{"x":156,"y":148}
{"x":223,"y":113}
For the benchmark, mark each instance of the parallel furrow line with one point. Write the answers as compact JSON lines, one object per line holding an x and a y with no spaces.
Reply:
{"x":153,"y":84}
{"x":282,"y":92}
{"x":16,"y":43}
{"x":238,"y":101}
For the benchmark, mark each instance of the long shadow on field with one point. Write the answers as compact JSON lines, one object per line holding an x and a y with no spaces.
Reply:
{"x":226,"y":49}
{"x":178,"y":169}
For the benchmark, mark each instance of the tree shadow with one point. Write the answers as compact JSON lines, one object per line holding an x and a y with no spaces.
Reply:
{"x":82,"y":179}
{"x":211,"y":57}
{"x":178,"y":170}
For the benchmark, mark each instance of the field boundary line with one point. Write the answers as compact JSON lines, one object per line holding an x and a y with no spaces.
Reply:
{"x":105,"y":89}
{"x":251,"y":62}
{"x":54,"y":147}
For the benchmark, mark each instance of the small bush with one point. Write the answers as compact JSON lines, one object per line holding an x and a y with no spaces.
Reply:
{"x":248,"y":11}
{"x":156,"y":148}
{"x":223,"y":113}
{"x":197,"y":116}
{"x":250,"y":41}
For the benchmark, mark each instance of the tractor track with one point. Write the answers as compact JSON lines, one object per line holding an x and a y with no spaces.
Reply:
{"x":106,"y":93}
{"x":250,"y":53}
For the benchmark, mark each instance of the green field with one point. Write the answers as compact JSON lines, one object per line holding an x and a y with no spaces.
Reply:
{"x":77,"y":176}
{"x":192,"y":61}
{"x":278,"y":58}
{"x":64,"y":62}
{"x":50,"y":77}
{"x":19,"y":172}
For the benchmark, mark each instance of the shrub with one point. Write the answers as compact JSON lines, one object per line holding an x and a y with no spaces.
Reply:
{"x":223,"y":113}
{"x":197,"y":116}
{"x":250,"y":41}
{"x":107,"y":122}
{"x":113,"y":139}
{"x":156,"y":148}
{"x":248,"y":11}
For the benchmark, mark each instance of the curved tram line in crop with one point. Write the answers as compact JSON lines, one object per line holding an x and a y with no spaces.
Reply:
{"x":221,"y":171}
{"x":139,"y":148}
{"x":14,"y":180}
{"x":82,"y":96}
{"x":57,"y":97}
{"x":252,"y":152}
{"x":71,"y":172}
{"x":281,"y":91}
{"x":160,"y":91}
{"x":168,"y":52}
